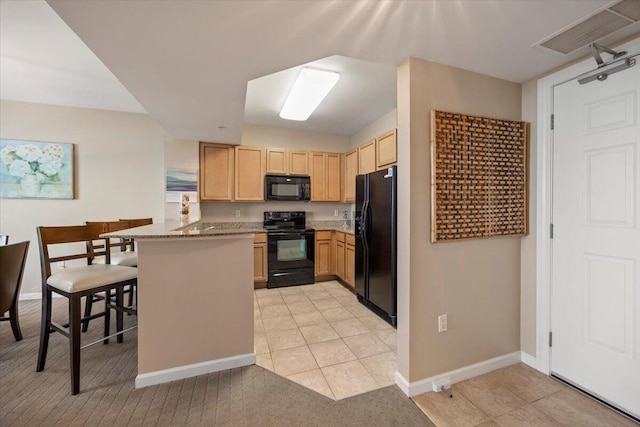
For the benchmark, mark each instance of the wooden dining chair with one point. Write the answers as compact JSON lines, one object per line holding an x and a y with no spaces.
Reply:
{"x":12,"y":261}
{"x":74,"y":284}
{"x":123,"y":255}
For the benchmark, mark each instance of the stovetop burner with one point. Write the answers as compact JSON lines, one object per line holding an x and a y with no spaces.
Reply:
{"x":284,"y":220}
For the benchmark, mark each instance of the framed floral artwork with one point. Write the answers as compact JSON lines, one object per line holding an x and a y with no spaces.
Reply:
{"x":36,"y":170}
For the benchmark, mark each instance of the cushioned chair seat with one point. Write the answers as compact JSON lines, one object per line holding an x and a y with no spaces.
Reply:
{"x":91,"y":276}
{"x":128,"y":259}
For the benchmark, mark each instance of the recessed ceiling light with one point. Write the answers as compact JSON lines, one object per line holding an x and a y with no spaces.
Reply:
{"x":308,"y":91}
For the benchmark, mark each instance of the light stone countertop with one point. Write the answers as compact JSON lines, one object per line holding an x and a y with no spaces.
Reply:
{"x":177,"y":229}
{"x":204,"y":228}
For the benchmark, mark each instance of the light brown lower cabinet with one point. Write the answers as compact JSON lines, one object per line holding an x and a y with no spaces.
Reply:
{"x":260,"y":271}
{"x":350,"y":260}
{"x":323,"y":253}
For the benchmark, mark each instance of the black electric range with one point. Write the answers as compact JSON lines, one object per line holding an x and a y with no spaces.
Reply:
{"x":291,"y":249}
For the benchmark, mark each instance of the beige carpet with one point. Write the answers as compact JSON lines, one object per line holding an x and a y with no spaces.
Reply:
{"x":250,"y":396}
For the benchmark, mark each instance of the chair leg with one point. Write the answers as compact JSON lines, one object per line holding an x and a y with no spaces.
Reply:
{"x":119,"y":313}
{"x":87,"y":312}
{"x":130,"y":304}
{"x":107,"y":317}
{"x":75,"y":317}
{"x":15,"y":323}
{"x":45,"y":329}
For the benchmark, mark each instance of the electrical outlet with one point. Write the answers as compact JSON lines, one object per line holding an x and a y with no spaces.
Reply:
{"x":61,"y":265}
{"x":237,"y":213}
{"x":442,"y":323}
{"x":336,"y":212}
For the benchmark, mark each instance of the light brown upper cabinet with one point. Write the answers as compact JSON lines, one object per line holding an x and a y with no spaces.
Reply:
{"x":277,"y":161}
{"x":298,"y":162}
{"x":350,"y":172}
{"x":250,"y":171}
{"x":367,"y":157}
{"x":386,"y":149}
{"x":326,"y":173}
{"x":216,"y":171}
{"x":281,"y":161}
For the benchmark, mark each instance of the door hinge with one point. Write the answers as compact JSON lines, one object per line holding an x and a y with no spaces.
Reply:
{"x":552,"y":121}
{"x":551,"y":230}
{"x":550,"y":339}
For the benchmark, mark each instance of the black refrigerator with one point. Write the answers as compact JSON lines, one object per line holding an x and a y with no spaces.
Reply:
{"x":375,"y":231}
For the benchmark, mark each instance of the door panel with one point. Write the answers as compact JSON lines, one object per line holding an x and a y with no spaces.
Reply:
{"x":595,"y":306}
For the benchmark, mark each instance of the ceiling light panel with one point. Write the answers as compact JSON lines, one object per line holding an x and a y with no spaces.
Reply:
{"x":310,"y":88}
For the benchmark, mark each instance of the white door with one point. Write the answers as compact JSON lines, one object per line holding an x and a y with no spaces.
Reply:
{"x":595,"y":302}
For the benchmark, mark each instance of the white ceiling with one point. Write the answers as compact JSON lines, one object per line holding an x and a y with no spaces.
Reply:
{"x":188,"y":62}
{"x":43,"y":61}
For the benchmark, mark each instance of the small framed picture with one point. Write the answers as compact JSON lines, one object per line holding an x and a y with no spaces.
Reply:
{"x":179,"y":181}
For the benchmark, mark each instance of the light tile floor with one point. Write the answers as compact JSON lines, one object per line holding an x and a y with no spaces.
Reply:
{"x":321,"y":337}
{"x":516,"y":396}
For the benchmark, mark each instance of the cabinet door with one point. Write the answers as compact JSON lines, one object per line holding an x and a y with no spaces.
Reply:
{"x":250,"y":171}
{"x":260,"y":262}
{"x":386,"y":149}
{"x":333,"y":163}
{"x":323,"y":257}
{"x":277,"y":161}
{"x":350,"y":267}
{"x":318,"y":176}
{"x":340,"y":259}
{"x":298,"y":162}
{"x":350,"y":172}
{"x":367,"y":157}
{"x":216,"y":171}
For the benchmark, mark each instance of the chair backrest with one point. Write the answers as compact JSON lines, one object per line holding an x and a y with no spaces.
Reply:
{"x":48,"y":236}
{"x":12,"y":262}
{"x":4,"y":239}
{"x":108,"y":227}
{"x":138,"y":222}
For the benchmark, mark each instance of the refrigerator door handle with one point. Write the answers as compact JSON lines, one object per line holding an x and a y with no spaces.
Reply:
{"x":364,"y":225}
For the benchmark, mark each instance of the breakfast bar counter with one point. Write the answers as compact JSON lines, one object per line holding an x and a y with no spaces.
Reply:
{"x":195,"y":299}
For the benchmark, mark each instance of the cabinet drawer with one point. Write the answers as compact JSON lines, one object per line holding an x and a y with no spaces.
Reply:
{"x":350,"y":239}
{"x":339,"y":236}
{"x":323,"y":235}
{"x":260,"y":238}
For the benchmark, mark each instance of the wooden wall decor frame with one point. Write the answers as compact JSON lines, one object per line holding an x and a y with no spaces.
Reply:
{"x":479,"y":177}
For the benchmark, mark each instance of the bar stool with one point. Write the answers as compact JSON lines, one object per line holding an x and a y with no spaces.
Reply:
{"x":74,"y":284}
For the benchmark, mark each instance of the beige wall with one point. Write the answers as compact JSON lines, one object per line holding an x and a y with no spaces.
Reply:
{"x":475,"y":282}
{"x":266,"y":136}
{"x":119,"y":165}
{"x":208,"y":284}
{"x":528,"y":243}
{"x":374,"y":129}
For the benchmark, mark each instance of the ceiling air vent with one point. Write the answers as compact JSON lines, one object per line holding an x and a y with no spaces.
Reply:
{"x":595,"y":27}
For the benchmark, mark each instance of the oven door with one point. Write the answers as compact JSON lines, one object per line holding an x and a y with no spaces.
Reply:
{"x":291,"y":258}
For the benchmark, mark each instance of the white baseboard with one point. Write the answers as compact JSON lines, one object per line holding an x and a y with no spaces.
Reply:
{"x":188,"y":371}
{"x":529,"y":360}
{"x":457,"y":375}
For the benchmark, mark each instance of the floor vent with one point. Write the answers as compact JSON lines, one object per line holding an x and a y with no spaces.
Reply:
{"x":594,"y":28}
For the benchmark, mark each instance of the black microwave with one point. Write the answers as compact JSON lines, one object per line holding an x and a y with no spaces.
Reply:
{"x":281,"y":187}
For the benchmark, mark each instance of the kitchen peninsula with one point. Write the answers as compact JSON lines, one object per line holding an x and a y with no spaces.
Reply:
{"x":195,"y":299}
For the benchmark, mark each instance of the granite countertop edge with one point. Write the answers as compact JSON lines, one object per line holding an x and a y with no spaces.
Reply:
{"x":203,"y":228}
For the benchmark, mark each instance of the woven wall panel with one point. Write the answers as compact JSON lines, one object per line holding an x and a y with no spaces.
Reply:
{"x":478,"y":177}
